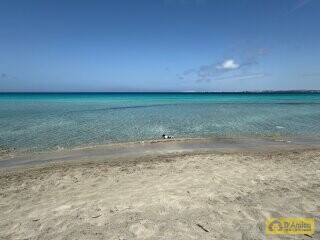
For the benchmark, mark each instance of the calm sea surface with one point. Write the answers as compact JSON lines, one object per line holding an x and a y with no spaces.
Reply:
{"x":35,"y":122}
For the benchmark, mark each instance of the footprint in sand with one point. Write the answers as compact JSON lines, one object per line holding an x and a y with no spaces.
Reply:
{"x":144,"y":229}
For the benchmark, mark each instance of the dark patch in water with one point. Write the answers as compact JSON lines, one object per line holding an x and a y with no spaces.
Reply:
{"x":127,"y":107}
{"x":180,"y":104}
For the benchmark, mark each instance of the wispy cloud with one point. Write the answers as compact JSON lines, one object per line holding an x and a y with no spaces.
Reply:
{"x":310,"y":75}
{"x":239,"y":67}
{"x":234,"y":78}
{"x":255,"y":52}
{"x":6,"y":77}
{"x":298,"y":5}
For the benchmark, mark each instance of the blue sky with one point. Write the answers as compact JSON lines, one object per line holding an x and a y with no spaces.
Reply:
{"x":159,"y":45}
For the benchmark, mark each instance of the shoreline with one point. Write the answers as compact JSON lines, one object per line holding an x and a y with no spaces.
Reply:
{"x":161,"y":146}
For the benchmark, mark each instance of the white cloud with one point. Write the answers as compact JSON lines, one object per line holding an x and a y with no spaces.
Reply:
{"x":228,"y":65}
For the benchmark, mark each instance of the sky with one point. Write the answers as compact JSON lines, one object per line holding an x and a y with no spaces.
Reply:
{"x":159,"y":45}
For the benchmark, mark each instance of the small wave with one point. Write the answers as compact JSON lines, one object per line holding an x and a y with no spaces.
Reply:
{"x":5,"y":150}
{"x":299,"y":103}
{"x":59,"y":148}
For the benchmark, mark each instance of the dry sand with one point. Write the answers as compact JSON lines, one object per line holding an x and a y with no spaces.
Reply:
{"x":176,"y":196}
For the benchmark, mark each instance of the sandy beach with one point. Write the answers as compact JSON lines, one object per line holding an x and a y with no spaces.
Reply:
{"x":159,"y":120}
{"x":198,"y":195}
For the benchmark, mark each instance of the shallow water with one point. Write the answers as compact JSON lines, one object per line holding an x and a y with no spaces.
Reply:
{"x":36,"y":122}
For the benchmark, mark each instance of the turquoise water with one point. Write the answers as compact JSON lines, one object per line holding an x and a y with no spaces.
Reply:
{"x":36,"y":122}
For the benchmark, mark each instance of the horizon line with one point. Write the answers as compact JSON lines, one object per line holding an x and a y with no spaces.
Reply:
{"x":159,"y":92}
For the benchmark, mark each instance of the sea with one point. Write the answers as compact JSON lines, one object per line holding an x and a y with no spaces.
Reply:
{"x":31,"y":122}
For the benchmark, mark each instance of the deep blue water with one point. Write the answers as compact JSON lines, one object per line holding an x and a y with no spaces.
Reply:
{"x":35,"y":122}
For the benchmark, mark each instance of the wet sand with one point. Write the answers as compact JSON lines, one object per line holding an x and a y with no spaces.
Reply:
{"x":222,"y":193}
{"x":127,"y":150}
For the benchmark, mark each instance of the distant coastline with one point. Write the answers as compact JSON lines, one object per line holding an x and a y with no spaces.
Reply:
{"x":173,"y":92}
